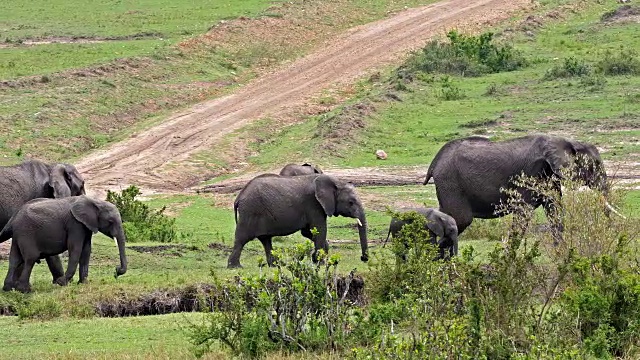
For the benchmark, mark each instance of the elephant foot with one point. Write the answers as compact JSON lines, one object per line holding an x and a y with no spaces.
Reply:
{"x":8,"y":287}
{"x":24,"y":288}
{"x":62,"y":281}
{"x":83,"y":281}
{"x":234,"y":266}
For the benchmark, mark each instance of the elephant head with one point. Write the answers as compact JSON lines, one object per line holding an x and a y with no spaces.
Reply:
{"x":65,"y":180}
{"x":590,"y":169}
{"x":315,"y":168}
{"x":102,"y":216}
{"x":340,"y":199}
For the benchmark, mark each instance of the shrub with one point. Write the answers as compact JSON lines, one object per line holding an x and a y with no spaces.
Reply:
{"x":140,"y":223}
{"x":463,"y":55}
{"x":570,"y":67}
{"x":580,"y":299}
{"x":593,"y":82}
{"x":40,"y":307}
{"x":303,"y":306}
{"x":449,"y":90}
{"x":626,"y":62}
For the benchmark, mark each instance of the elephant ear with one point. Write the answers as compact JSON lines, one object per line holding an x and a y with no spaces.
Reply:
{"x":58,"y":181}
{"x":557,"y":152}
{"x":326,"y":192}
{"x":87,"y":212}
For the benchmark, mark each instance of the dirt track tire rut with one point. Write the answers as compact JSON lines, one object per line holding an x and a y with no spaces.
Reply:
{"x":143,"y":159}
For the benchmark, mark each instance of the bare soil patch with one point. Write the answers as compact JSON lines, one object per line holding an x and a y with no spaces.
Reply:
{"x":177,"y":250}
{"x":149,"y":158}
{"x":625,"y":13}
{"x":80,"y":39}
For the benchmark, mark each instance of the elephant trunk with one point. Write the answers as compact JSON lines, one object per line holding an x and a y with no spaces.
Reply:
{"x":120,"y":239}
{"x":362,"y":231}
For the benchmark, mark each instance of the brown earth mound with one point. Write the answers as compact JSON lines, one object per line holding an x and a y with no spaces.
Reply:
{"x":623,"y":13}
{"x":194,"y":298}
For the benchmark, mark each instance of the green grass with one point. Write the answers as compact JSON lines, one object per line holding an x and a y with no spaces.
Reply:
{"x":84,"y":96}
{"x":165,"y":21}
{"x":144,"y":337}
{"x":412,"y":131}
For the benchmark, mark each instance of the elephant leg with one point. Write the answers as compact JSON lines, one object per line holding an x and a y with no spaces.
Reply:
{"x":241,"y":239}
{"x":267,"y":244}
{"x":23,"y":282}
{"x":75,"y":251}
{"x":85,"y":255}
{"x":320,"y":241}
{"x":551,"y":210}
{"x":55,"y":267}
{"x":15,"y":268}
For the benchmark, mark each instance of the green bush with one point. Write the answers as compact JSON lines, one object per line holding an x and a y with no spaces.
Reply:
{"x":626,"y":62}
{"x":40,"y":307}
{"x":449,"y":90}
{"x":303,"y":306}
{"x":593,"y":82}
{"x":141,"y":223}
{"x":570,"y":67}
{"x":463,"y":55}
{"x":580,"y":299}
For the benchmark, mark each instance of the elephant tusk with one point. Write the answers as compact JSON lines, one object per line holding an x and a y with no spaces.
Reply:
{"x":610,"y":207}
{"x":359,"y":222}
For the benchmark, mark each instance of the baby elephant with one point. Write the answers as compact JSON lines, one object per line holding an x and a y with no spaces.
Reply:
{"x":48,"y":227}
{"x":438,"y":224}
{"x":297,"y":170}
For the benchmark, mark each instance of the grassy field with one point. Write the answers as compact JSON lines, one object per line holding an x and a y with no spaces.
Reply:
{"x":599,"y":109}
{"x":60,"y":101}
{"x":121,"y":29}
{"x":60,"y":323}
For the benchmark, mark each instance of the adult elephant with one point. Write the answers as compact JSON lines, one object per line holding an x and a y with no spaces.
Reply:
{"x":297,"y":170}
{"x":272,"y":205}
{"x":35,"y":179}
{"x":47,"y":227}
{"x":469,"y":173}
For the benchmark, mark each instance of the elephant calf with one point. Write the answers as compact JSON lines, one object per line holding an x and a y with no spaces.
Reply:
{"x":48,"y":227}
{"x":273,"y":205}
{"x":437,"y":223}
{"x":297,"y":170}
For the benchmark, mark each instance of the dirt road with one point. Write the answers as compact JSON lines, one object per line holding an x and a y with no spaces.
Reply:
{"x":143,"y":158}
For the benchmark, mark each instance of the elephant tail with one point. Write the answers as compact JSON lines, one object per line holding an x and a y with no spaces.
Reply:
{"x":7,"y":232}
{"x":235,"y":210}
{"x":387,"y":239}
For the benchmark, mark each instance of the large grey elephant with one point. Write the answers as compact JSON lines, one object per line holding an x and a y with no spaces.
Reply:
{"x":272,"y":205}
{"x":438,"y":224}
{"x":297,"y":170}
{"x":469,"y":173}
{"x":35,"y":179}
{"x":48,"y":227}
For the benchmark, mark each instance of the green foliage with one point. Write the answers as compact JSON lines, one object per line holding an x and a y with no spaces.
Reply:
{"x":605,"y":297}
{"x":464,"y":55}
{"x":141,"y":223}
{"x":570,"y":67}
{"x":303,"y":306}
{"x":39,"y":307}
{"x":593,"y":82}
{"x":625,"y":62}
{"x":584,"y":303}
{"x":449,"y":90}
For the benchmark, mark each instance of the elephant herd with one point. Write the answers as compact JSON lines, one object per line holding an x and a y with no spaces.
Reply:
{"x":43,"y":207}
{"x":470,"y":175}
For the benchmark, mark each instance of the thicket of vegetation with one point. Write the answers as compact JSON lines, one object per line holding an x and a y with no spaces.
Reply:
{"x":579,"y":299}
{"x":140,"y":222}
{"x":464,"y":55}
